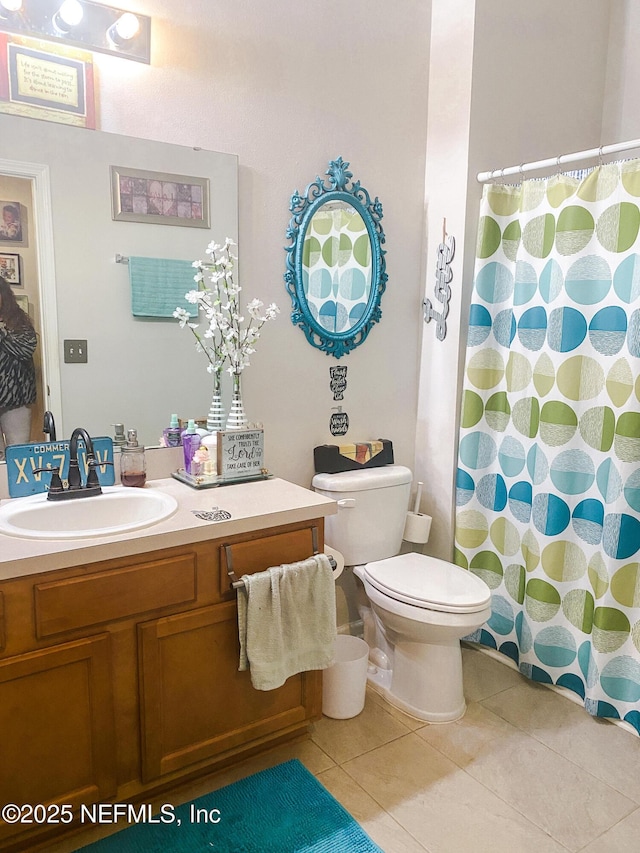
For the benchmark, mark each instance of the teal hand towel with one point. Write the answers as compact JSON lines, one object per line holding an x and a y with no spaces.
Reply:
{"x":158,"y":286}
{"x":287,"y":621}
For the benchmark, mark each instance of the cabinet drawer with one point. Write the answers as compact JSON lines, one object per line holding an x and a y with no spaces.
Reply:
{"x":80,"y":602}
{"x":257,"y":555}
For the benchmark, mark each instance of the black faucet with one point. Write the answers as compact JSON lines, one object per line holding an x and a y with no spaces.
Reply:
{"x":92,"y":486}
{"x":49,"y":426}
{"x":75,"y":488}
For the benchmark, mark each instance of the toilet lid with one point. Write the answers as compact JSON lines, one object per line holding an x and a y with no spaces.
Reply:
{"x":428,"y":582}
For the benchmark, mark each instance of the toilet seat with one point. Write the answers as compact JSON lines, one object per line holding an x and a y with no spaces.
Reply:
{"x":429,"y":583}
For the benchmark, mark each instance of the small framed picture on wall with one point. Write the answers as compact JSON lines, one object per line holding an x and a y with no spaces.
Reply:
{"x":10,"y":269}
{"x":10,"y":222}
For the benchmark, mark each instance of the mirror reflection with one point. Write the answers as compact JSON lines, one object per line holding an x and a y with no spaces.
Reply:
{"x":136,"y":370}
{"x":336,"y":266}
{"x":17,"y":371}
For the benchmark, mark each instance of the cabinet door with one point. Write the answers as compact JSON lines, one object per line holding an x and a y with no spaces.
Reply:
{"x":57,"y":725}
{"x":196,"y":705}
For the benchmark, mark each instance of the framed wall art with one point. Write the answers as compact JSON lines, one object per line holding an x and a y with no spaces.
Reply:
{"x":10,"y":269}
{"x":159,"y":198}
{"x":10,"y":222}
{"x":49,"y":82}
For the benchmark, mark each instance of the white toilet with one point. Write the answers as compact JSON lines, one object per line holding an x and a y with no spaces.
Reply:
{"x":417,"y":608}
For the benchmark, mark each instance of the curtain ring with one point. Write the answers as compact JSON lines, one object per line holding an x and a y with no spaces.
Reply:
{"x":559,"y":168}
{"x":600,"y":161}
{"x":521,"y":170}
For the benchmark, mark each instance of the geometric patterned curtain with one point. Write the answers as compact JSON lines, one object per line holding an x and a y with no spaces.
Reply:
{"x":548,"y":484}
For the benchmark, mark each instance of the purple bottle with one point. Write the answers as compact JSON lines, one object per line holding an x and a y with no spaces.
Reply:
{"x":190,"y":443}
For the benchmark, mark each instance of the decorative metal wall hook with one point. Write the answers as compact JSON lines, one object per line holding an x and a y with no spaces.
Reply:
{"x":442,"y":290}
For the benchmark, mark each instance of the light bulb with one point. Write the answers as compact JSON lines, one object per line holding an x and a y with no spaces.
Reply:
{"x":70,"y":13}
{"x":11,"y":5}
{"x":127,"y":26}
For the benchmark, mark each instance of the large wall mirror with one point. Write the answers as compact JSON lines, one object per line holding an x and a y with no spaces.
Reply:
{"x":75,"y":278}
{"x":335,"y":263}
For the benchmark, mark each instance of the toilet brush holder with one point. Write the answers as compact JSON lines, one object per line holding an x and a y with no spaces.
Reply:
{"x":417,"y":528}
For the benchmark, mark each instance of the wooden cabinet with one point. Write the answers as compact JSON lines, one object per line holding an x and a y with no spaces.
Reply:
{"x":120,"y":677}
{"x":195,"y":704}
{"x":57,"y":724}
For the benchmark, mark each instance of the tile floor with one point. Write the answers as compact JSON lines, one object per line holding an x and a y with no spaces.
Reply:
{"x":525,"y":771}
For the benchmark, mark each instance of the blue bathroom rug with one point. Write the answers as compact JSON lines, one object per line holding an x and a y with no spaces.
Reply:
{"x":280,"y":810}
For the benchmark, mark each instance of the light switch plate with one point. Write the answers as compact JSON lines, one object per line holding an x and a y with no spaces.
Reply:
{"x":75,"y":352}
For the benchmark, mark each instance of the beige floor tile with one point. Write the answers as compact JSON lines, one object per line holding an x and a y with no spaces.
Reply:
{"x":410,"y":722}
{"x":571,"y":805}
{"x":607,"y":751}
{"x":484,"y":675}
{"x":314,"y":759}
{"x":376,"y":822}
{"x":345,"y":739}
{"x":445,"y":809}
{"x":624,"y":837}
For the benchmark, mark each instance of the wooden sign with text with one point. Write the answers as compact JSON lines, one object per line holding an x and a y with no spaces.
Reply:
{"x":240,"y":454}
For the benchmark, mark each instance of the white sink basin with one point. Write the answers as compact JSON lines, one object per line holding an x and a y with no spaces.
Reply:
{"x":117,"y":510}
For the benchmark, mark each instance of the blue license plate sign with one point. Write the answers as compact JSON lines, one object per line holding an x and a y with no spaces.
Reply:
{"x":24,"y":459}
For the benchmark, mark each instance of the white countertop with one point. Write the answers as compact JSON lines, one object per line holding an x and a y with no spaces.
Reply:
{"x":253,"y":506}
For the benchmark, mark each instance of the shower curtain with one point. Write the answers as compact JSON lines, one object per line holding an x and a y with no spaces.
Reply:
{"x":548,"y":483}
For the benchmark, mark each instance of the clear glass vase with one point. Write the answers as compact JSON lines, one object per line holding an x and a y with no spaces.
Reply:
{"x":215,"y":418}
{"x":237,"y":418}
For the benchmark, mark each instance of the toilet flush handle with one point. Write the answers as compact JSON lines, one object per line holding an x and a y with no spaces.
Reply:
{"x":347,"y":503}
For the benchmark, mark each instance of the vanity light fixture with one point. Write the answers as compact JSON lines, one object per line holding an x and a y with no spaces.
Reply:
{"x":9,"y":6}
{"x":81,"y":23}
{"x":125,"y":28}
{"x":68,"y":16}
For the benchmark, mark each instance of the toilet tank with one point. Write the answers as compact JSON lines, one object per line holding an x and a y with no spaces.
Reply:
{"x":372,"y":510}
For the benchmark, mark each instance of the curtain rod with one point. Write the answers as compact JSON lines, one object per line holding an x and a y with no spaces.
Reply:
{"x":483,"y":177}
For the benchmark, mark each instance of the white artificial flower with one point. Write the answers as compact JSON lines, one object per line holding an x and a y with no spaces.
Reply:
{"x":271,"y":311}
{"x":227,"y":336}
{"x":254,"y":308}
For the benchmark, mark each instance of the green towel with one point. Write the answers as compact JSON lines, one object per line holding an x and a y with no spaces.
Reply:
{"x":287,"y":621}
{"x":158,"y":286}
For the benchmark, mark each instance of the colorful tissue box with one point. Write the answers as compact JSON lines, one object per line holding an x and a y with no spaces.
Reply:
{"x":333,"y":458}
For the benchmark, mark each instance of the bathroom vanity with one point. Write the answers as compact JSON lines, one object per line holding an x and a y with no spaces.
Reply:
{"x":119,"y":655}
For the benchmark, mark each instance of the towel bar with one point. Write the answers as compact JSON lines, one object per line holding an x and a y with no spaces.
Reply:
{"x":238,"y":583}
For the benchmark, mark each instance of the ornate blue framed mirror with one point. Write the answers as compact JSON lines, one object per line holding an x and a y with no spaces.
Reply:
{"x":335,"y":264}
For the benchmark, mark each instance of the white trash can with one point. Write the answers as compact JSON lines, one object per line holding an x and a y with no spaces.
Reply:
{"x":344,"y":683}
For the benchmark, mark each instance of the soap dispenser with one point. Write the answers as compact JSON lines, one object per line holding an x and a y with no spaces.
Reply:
{"x":133,"y":469}
{"x":118,"y":435}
